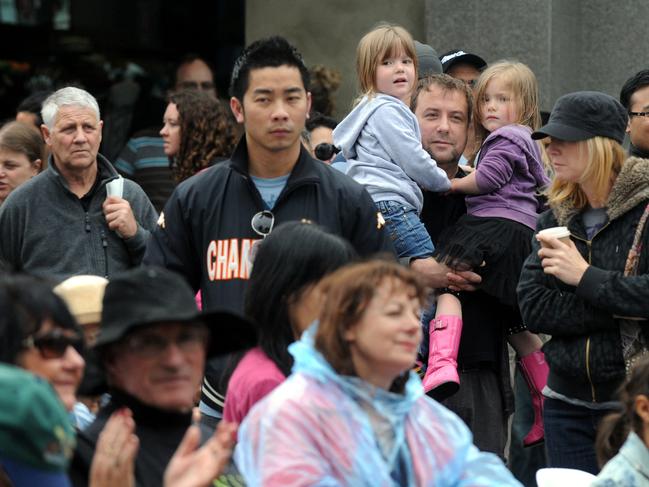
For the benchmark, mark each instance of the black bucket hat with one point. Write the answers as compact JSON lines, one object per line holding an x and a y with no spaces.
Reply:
{"x":583,"y":115}
{"x":148,"y":295}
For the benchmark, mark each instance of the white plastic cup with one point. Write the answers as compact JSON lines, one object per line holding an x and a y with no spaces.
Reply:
{"x":561,"y":233}
{"x":115,"y":187}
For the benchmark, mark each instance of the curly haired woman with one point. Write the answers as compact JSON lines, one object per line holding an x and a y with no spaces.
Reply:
{"x":197,"y":132}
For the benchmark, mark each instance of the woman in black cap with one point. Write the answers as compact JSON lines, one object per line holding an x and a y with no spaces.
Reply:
{"x":590,"y":291}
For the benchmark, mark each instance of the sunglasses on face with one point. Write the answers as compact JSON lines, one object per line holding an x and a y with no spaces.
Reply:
{"x":262,"y":223}
{"x":54,"y":344}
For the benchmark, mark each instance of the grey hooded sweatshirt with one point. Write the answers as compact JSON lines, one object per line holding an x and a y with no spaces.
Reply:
{"x":381,"y":141}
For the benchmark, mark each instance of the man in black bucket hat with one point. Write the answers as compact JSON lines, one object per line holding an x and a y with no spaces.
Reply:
{"x":153,"y":344}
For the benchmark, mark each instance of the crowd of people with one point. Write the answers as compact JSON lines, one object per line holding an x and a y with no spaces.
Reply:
{"x":256,"y":294}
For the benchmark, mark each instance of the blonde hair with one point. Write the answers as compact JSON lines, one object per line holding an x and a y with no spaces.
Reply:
{"x":378,"y":44}
{"x":521,"y":81}
{"x":605,"y":159}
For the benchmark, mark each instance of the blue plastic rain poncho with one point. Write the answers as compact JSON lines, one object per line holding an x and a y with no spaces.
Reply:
{"x":321,"y":428}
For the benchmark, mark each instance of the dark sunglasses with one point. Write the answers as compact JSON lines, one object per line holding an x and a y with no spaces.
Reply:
{"x":54,"y":344}
{"x":262,"y":223}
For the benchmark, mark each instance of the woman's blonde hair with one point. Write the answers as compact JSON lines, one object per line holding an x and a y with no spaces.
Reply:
{"x":521,"y":81}
{"x":605,"y":159}
{"x":379,"y":43}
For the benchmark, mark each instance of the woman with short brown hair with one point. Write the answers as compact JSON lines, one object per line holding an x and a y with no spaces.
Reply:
{"x":352,"y":412}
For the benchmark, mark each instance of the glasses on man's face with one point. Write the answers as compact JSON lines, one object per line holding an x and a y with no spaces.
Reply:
{"x":262,"y":223}
{"x":54,"y":344}
{"x":638,"y":114}
{"x":195,"y":85}
{"x":149,"y":344}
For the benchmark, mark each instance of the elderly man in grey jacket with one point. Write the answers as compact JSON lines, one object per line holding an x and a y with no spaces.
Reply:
{"x":78,"y":216}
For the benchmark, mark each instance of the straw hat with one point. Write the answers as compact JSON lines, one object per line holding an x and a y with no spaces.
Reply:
{"x":84,"y":296}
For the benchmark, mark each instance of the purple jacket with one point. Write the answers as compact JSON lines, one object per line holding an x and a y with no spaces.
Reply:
{"x":508,"y":173}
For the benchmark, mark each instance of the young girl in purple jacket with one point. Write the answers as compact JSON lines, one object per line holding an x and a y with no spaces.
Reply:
{"x":495,"y":235}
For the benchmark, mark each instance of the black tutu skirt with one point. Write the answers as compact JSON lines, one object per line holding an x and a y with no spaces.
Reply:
{"x":494,"y":248}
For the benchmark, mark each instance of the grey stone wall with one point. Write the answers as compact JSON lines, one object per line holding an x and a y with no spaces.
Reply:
{"x":570,"y":44}
{"x":327,"y":31}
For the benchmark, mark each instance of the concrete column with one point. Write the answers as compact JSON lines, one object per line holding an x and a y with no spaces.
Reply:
{"x":571,"y":45}
{"x":327,"y":32}
{"x":495,"y":29}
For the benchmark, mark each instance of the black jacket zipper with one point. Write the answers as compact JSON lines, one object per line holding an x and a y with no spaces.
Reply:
{"x":589,"y":244}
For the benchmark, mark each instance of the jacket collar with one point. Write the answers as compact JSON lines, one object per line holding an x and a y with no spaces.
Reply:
{"x":305,"y":168}
{"x":105,"y":172}
{"x":636,"y":453}
{"x":630,"y":189}
{"x":637,"y":152}
{"x":382,"y":407}
{"x":145,"y":414}
{"x":309,"y":360}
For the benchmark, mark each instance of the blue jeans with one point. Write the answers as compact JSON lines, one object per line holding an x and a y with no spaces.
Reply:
{"x":570,"y":433}
{"x":408,"y":234}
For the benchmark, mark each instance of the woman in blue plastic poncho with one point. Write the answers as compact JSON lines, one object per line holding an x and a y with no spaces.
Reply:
{"x":352,"y":412}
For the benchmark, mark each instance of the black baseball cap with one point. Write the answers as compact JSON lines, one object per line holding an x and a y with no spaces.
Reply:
{"x":145,"y":296}
{"x":456,"y":56}
{"x":583,"y":115}
{"x":429,"y":62}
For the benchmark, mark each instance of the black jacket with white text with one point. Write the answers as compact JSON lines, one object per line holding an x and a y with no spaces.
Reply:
{"x":205,"y":231}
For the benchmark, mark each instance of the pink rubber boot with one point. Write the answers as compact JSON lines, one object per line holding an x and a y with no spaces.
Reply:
{"x":535,"y":371}
{"x":441,"y":379}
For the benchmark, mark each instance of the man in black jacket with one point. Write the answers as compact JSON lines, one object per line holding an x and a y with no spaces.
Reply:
{"x":634,"y":96}
{"x":211,"y":221}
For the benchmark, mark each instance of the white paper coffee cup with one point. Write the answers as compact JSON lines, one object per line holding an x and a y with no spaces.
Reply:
{"x":561,"y":233}
{"x":115,"y":187}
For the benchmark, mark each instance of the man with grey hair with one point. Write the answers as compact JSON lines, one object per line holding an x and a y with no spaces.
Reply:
{"x":78,"y":216}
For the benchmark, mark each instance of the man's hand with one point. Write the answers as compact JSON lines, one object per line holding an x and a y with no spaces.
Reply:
{"x":562,"y":260}
{"x":433,"y":272}
{"x":438,"y":275}
{"x":192,"y":466}
{"x":463,"y":280}
{"x":117,"y":446}
{"x":119,"y":216}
